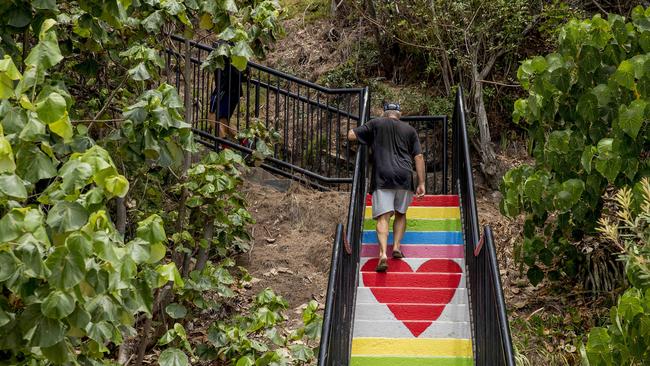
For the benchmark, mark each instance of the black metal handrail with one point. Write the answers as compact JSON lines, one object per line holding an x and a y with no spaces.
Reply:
{"x":311,"y":119}
{"x":490,"y":328}
{"x":336,"y":338}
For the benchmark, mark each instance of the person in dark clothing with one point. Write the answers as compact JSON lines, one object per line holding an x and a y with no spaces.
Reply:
{"x":225,"y":97}
{"x":395,"y":145}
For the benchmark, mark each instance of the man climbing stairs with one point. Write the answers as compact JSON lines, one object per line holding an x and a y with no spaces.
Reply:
{"x":417,"y":313}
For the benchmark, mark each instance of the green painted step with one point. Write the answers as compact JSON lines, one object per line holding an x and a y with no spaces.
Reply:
{"x":410,"y":361}
{"x":420,"y":225}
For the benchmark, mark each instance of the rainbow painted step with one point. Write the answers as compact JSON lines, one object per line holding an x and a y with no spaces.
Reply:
{"x":417,"y":312}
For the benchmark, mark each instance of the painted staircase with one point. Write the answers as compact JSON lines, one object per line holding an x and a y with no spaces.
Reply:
{"x":417,"y":313}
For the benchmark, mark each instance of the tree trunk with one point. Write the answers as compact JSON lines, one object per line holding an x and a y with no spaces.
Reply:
{"x":488,"y":156}
{"x":187,"y":156}
{"x":445,"y":66}
{"x":385,"y":60}
{"x":120,"y":221}
{"x":203,"y":252}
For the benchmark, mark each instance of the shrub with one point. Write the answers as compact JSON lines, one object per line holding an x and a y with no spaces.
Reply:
{"x":586,"y":115}
{"x":626,"y":339}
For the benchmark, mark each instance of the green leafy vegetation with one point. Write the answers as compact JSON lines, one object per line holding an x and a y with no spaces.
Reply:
{"x":109,"y":236}
{"x":625,"y":339}
{"x":585,"y":116}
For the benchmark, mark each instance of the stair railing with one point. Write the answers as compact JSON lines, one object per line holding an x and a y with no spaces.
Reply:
{"x":311,"y":119}
{"x":490,"y":328}
{"x":336,"y":337}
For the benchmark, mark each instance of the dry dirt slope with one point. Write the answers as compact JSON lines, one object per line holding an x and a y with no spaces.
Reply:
{"x":292,"y":239}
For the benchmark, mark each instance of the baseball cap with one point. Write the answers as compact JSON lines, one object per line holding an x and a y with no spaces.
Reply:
{"x":391,"y":107}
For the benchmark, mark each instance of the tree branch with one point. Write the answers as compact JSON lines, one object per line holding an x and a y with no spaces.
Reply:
{"x":599,"y":7}
{"x":488,"y":67}
{"x":110,"y":97}
{"x":498,"y":83}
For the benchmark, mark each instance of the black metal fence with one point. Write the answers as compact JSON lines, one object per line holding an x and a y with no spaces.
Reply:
{"x":311,"y":119}
{"x":433,"y":132}
{"x":336,"y":339}
{"x":490,"y":328}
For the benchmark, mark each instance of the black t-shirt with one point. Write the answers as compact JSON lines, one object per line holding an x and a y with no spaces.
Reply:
{"x":394,"y":144}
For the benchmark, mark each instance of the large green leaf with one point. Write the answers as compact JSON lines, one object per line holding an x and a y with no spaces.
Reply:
{"x":47,"y":332}
{"x":168,"y":272}
{"x":588,"y":107}
{"x":245,"y":361}
{"x":11,"y":225}
{"x":608,"y":163}
{"x":59,"y":353}
{"x":12,"y":186}
{"x":62,"y":127}
{"x":240,"y":54}
{"x":139,"y":72}
{"x":176,"y":311}
{"x":153,"y":22}
{"x":67,"y":270}
{"x":173,"y":357}
{"x":76,"y":175}
{"x":34,"y":129}
{"x":117,"y":186}
{"x":8,"y":74}
{"x":44,"y":4}
{"x":7,"y":163}
{"x":8,"y":266}
{"x":631,"y":117}
{"x":151,"y":229}
{"x":67,"y":216}
{"x":598,"y":349}
{"x":101,"y":332}
{"x":587,"y":157}
{"x":534,"y":188}
{"x":33,"y":165}
{"x":31,"y":253}
{"x":52,"y":108}
{"x":46,"y":53}
{"x":624,"y":75}
{"x":58,"y":305}
{"x":569,"y":195}
{"x":301,"y":352}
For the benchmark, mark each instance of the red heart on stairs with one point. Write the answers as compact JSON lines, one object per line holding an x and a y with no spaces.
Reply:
{"x":415,"y":298}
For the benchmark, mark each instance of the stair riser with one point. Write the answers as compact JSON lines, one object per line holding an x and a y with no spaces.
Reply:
{"x":418,"y":251}
{"x":413,"y":296}
{"x":415,"y":263}
{"x":422,"y":280}
{"x":451,"y":313}
{"x":428,"y":201}
{"x":419,"y":238}
{"x":426,"y":213}
{"x":410,"y":361}
{"x":414,"y":225}
{"x":397,"y":329}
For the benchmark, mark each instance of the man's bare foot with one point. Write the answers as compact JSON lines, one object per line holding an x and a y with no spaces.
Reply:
{"x":382,"y":266}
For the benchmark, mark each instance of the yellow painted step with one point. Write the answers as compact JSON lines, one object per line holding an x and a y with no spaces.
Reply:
{"x":426,"y":212}
{"x":431,"y":347}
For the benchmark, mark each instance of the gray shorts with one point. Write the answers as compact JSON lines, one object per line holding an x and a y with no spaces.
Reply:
{"x":390,"y":200}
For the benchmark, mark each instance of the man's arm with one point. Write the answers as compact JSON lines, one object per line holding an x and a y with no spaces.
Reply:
{"x":352,"y":136}
{"x":419,"y":169}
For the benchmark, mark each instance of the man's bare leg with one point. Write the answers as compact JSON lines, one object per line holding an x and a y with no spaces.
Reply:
{"x":383,"y":223}
{"x":399,"y":227}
